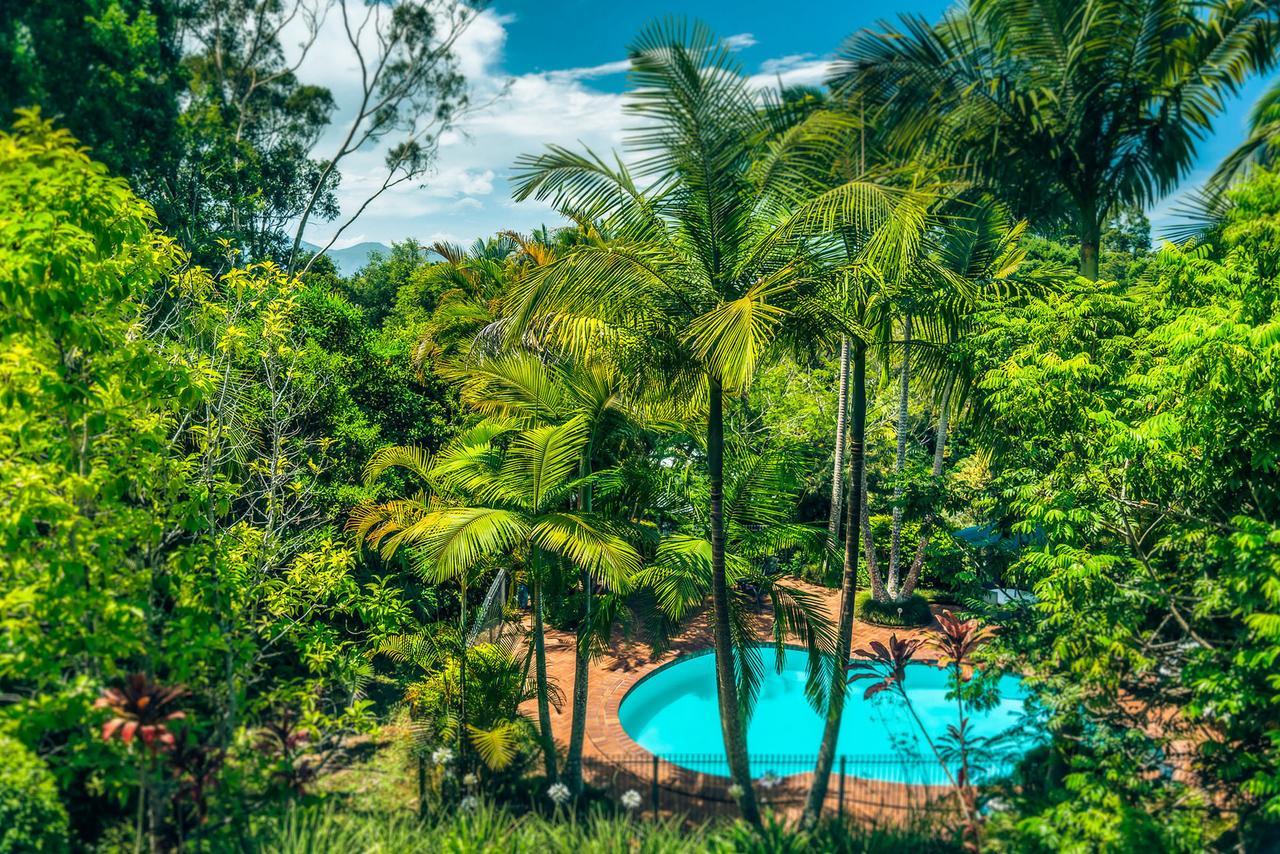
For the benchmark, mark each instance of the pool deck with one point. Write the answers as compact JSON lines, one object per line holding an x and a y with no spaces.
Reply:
{"x":630,"y":659}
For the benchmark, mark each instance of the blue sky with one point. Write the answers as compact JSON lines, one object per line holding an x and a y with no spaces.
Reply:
{"x":554,"y":71}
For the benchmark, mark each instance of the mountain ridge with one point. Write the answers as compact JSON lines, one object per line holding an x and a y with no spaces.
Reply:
{"x":352,"y":258}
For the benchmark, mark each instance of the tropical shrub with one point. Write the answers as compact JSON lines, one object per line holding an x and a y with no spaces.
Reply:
{"x":913,"y":611}
{"x":32,"y":817}
{"x":1135,"y":428}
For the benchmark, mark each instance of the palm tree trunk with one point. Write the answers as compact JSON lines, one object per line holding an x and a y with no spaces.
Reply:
{"x":581,"y":660}
{"x":895,"y":534}
{"x":837,"y":468}
{"x":868,"y":543}
{"x":540,"y":671}
{"x":848,"y":594}
{"x":926,"y":527}
{"x":731,"y":717}
{"x":1090,"y":242}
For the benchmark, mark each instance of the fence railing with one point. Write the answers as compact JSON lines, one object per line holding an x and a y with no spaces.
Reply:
{"x":881,"y":788}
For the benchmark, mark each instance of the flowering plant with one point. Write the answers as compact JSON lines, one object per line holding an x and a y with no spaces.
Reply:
{"x":631,"y":799}
{"x":141,"y":709}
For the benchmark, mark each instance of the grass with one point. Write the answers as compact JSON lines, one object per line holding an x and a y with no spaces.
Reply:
{"x":488,"y":829}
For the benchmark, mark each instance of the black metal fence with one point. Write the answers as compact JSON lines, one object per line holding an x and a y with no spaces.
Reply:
{"x":881,"y":788}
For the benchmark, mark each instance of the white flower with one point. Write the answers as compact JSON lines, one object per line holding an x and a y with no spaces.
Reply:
{"x":558,"y":792}
{"x":631,"y":799}
{"x":769,"y":780}
{"x":997,"y":805}
{"x":470,"y":780}
{"x":735,"y":791}
{"x":442,"y":756}
{"x":469,"y":803}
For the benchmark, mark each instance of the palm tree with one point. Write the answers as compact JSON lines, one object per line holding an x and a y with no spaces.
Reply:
{"x":694,"y":283}
{"x":1259,"y":148}
{"x":496,"y":686}
{"x":761,"y":489}
{"x":534,"y":391}
{"x":1068,"y":108}
{"x":970,"y":248}
{"x":471,"y":284}
{"x":984,"y":250}
{"x":496,"y":490}
{"x":974,"y":254}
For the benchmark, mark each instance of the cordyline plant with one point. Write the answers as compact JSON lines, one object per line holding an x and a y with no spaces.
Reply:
{"x":887,"y":664}
{"x":143,"y":710}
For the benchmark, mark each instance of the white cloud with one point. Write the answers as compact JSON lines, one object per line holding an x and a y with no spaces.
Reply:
{"x":513,"y":116}
{"x":620,"y":66}
{"x":801,"y":69}
{"x":467,"y":193}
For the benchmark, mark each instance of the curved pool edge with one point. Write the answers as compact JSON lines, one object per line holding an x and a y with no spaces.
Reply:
{"x":619,"y":746}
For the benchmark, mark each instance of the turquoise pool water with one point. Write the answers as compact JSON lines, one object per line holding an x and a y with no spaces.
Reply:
{"x":673,"y":712}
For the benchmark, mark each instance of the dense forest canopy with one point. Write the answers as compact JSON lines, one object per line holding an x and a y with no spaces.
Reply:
{"x":899,"y":343}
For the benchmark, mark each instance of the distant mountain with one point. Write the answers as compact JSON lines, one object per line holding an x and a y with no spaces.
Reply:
{"x":351,"y":259}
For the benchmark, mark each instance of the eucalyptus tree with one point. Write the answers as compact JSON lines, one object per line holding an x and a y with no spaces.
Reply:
{"x":694,"y":283}
{"x":496,"y":490}
{"x":1070,"y":109}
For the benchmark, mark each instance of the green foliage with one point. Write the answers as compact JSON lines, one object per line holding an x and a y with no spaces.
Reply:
{"x":87,"y":412}
{"x":108,"y":70}
{"x":31,"y":816}
{"x":1135,"y":429}
{"x":184,"y":423}
{"x":912,"y":611}
{"x":1096,"y":803}
{"x":170,"y":509}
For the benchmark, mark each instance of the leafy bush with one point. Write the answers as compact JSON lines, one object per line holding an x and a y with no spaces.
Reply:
{"x":913,"y":611}
{"x":31,"y":816}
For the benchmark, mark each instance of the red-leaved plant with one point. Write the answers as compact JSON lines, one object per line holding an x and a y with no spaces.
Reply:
{"x":888,"y":664}
{"x":960,"y":638}
{"x":141,"y":709}
{"x":958,"y":641}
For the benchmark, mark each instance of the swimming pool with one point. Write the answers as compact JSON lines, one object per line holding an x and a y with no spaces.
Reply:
{"x":673,"y":713}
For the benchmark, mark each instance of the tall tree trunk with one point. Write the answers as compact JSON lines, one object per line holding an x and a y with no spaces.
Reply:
{"x":895,"y":533}
{"x":731,"y":712}
{"x":868,"y":543}
{"x":540,"y":674}
{"x":837,"y":468}
{"x":581,"y":660}
{"x":1090,"y":242}
{"x":582,"y":655}
{"x":848,"y":594}
{"x":926,"y":527}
